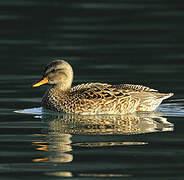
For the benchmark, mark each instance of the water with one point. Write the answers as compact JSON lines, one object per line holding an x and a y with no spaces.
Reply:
{"x":115,"y":42}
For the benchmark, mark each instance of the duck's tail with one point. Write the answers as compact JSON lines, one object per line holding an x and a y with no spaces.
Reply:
{"x":165,"y":96}
{"x":152,"y":102}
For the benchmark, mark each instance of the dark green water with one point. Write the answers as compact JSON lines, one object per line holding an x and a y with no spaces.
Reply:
{"x":119,"y":41}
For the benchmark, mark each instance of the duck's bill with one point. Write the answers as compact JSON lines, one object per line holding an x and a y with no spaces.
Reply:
{"x":43,"y":81}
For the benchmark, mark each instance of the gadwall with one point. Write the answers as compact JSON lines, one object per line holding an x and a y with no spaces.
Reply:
{"x":94,"y":98}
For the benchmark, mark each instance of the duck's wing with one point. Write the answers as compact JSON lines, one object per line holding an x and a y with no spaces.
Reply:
{"x":132,"y":87}
{"x":123,"y":91}
{"x":143,"y":91}
{"x":99,"y":91}
{"x":108,"y":91}
{"x":149,"y":99}
{"x":123,"y":98}
{"x":102,"y":98}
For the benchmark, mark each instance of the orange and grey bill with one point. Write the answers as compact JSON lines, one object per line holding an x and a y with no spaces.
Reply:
{"x":43,"y":81}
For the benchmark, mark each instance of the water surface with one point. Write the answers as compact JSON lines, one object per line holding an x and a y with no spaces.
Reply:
{"x":114,"y":42}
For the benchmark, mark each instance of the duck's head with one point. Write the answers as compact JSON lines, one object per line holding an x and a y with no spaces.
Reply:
{"x":57,"y":73}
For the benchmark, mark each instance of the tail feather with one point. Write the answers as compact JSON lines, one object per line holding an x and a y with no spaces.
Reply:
{"x":165,"y":96}
{"x":150,"y":104}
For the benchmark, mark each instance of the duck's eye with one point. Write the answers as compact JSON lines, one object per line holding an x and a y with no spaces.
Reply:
{"x":53,"y":71}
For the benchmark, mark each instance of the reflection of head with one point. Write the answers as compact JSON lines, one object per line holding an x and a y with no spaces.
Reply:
{"x":57,"y":145}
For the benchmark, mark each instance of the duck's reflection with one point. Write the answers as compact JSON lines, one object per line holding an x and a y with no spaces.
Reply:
{"x":61,"y":128}
{"x":109,"y":124}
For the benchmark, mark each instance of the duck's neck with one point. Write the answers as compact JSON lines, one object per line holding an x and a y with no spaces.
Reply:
{"x":62,"y":86}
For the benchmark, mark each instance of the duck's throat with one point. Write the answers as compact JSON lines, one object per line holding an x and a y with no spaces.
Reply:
{"x":62,"y":86}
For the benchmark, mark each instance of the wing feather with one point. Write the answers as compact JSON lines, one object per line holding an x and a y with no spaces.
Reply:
{"x":133,"y":87}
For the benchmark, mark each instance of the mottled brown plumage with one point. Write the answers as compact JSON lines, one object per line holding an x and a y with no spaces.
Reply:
{"x":94,"y":98}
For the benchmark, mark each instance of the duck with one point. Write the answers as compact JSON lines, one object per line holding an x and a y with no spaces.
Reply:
{"x":94,"y":98}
